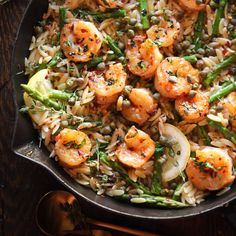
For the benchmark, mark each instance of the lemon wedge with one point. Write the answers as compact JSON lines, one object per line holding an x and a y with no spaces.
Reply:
{"x":176,"y":163}
{"x":40,"y":83}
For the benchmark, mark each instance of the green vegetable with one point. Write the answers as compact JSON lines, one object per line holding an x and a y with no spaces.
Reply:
{"x":100,"y":16}
{"x":73,"y":144}
{"x":152,"y":200}
{"x":202,"y":133}
{"x":156,"y":179}
{"x":60,"y":95}
{"x":58,"y":56}
{"x":41,"y":98}
{"x":191,"y":58}
{"x":117,"y":167}
{"x":62,"y":17}
{"x":176,"y":194}
{"x":230,"y":135}
{"x":217,"y":69}
{"x":144,"y":14}
{"x":114,"y":47}
{"x":224,"y":90}
{"x":39,"y":67}
{"x":197,"y":41}
{"x":24,"y":109}
{"x":205,"y":166}
{"x":94,"y":62}
{"x":218,"y":17}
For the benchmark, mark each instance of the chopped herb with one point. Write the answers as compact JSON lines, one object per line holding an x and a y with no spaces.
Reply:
{"x":171,"y":152}
{"x":62,"y":17}
{"x":85,"y":49}
{"x":68,"y":43}
{"x":99,"y":16}
{"x":205,"y":166}
{"x":74,"y":145}
{"x":110,"y":82}
{"x":156,"y":179}
{"x":158,"y":42}
{"x":169,"y":72}
{"x":141,"y":65}
{"x":24,"y":109}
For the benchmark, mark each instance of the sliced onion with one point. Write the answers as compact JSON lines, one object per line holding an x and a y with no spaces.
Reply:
{"x":176,"y":164}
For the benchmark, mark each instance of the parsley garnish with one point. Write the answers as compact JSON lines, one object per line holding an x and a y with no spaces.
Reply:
{"x":68,"y":43}
{"x":110,"y":82}
{"x":205,"y":166}
{"x":73,"y":144}
{"x":141,"y":65}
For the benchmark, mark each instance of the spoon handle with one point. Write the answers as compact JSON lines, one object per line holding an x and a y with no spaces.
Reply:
{"x":120,"y":228}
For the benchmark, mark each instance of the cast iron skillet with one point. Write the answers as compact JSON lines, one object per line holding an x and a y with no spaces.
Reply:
{"x":26,"y":142}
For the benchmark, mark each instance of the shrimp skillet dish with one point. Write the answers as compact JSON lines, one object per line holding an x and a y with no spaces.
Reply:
{"x":136,"y":99}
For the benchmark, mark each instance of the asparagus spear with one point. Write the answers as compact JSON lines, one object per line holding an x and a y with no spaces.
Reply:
{"x":117,"y":53}
{"x":152,"y":200}
{"x":96,"y":61}
{"x":203,"y":134}
{"x":40,"y":97}
{"x":39,"y":67}
{"x":114,"y":47}
{"x":222,"y":91}
{"x":230,"y":135}
{"x":198,"y":30}
{"x":219,"y":16}
{"x":60,"y":95}
{"x":156,"y":179}
{"x":62,"y":17}
{"x":100,"y":16}
{"x":191,"y":58}
{"x":117,"y":167}
{"x":58,"y":56}
{"x":144,"y":16}
{"x":176,"y":194}
{"x":217,"y":69}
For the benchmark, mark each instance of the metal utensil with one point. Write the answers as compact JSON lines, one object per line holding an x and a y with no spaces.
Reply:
{"x":58,"y":213}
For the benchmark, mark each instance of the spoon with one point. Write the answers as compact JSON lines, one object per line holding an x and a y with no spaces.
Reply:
{"x":58,"y":213}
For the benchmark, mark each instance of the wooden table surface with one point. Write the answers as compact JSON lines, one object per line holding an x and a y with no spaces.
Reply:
{"x":23,"y":183}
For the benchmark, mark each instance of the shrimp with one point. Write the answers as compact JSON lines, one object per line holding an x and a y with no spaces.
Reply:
{"x":192,"y":5}
{"x":192,"y":109}
{"x":72,"y":147}
{"x":112,"y":3}
{"x":174,"y":77}
{"x":137,"y":149}
{"x":211,"y":169}
{"x":142,"y":104}
{"x":108,"y":87}
{"x":229,"y":108}
{"x":143,"y":57}
{"x":80,"y":41}
{"x":165,"y":32}
{"x":73,"y":4}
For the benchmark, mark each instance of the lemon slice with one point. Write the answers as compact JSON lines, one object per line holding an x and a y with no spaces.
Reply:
{"x":181,"y":148}
{"x":41,"y":84}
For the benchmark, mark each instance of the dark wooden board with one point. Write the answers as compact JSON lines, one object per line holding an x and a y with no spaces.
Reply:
{"x":23,"y":183}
